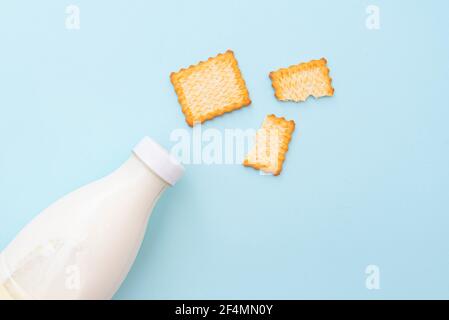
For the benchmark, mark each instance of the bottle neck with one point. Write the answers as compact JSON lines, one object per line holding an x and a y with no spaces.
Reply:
{"x":136,"y":170}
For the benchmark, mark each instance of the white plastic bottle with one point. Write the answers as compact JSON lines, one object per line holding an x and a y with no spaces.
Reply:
{"x":83,"y":245}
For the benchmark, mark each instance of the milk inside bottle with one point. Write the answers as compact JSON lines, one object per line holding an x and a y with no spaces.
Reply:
{"x":83,"y":245}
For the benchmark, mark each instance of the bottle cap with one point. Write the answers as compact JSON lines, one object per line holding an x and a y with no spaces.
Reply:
{"x":159,"y":160}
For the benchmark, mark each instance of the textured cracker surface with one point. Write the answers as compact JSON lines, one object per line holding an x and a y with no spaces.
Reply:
{"x":271,"y":145}
{"x":210,"y":88}
{"x":298,"y":82}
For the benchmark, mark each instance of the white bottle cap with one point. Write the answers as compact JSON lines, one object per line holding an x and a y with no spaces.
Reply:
{"x":159,"y":160}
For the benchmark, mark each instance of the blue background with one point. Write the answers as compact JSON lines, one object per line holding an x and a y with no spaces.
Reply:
{"x":366,"y":180}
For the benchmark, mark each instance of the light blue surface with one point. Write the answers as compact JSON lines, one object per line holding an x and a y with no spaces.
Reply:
{"x":366,"y":180}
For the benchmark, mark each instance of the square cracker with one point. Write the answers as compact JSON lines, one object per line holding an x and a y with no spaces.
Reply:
{"x":210,"y":88}
{"x":298,"y":82}
{"x":271,"y":145}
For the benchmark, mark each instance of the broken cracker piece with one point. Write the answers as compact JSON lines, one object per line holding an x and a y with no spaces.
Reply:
{"x":271,"y":145}
{"x":298,"y":82}
{"x":210,"y":88}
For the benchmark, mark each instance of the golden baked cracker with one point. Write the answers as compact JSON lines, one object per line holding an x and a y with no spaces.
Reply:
{"x":298,"y":82}
{"x":271,"y":145}
{"x":210,"y":88}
